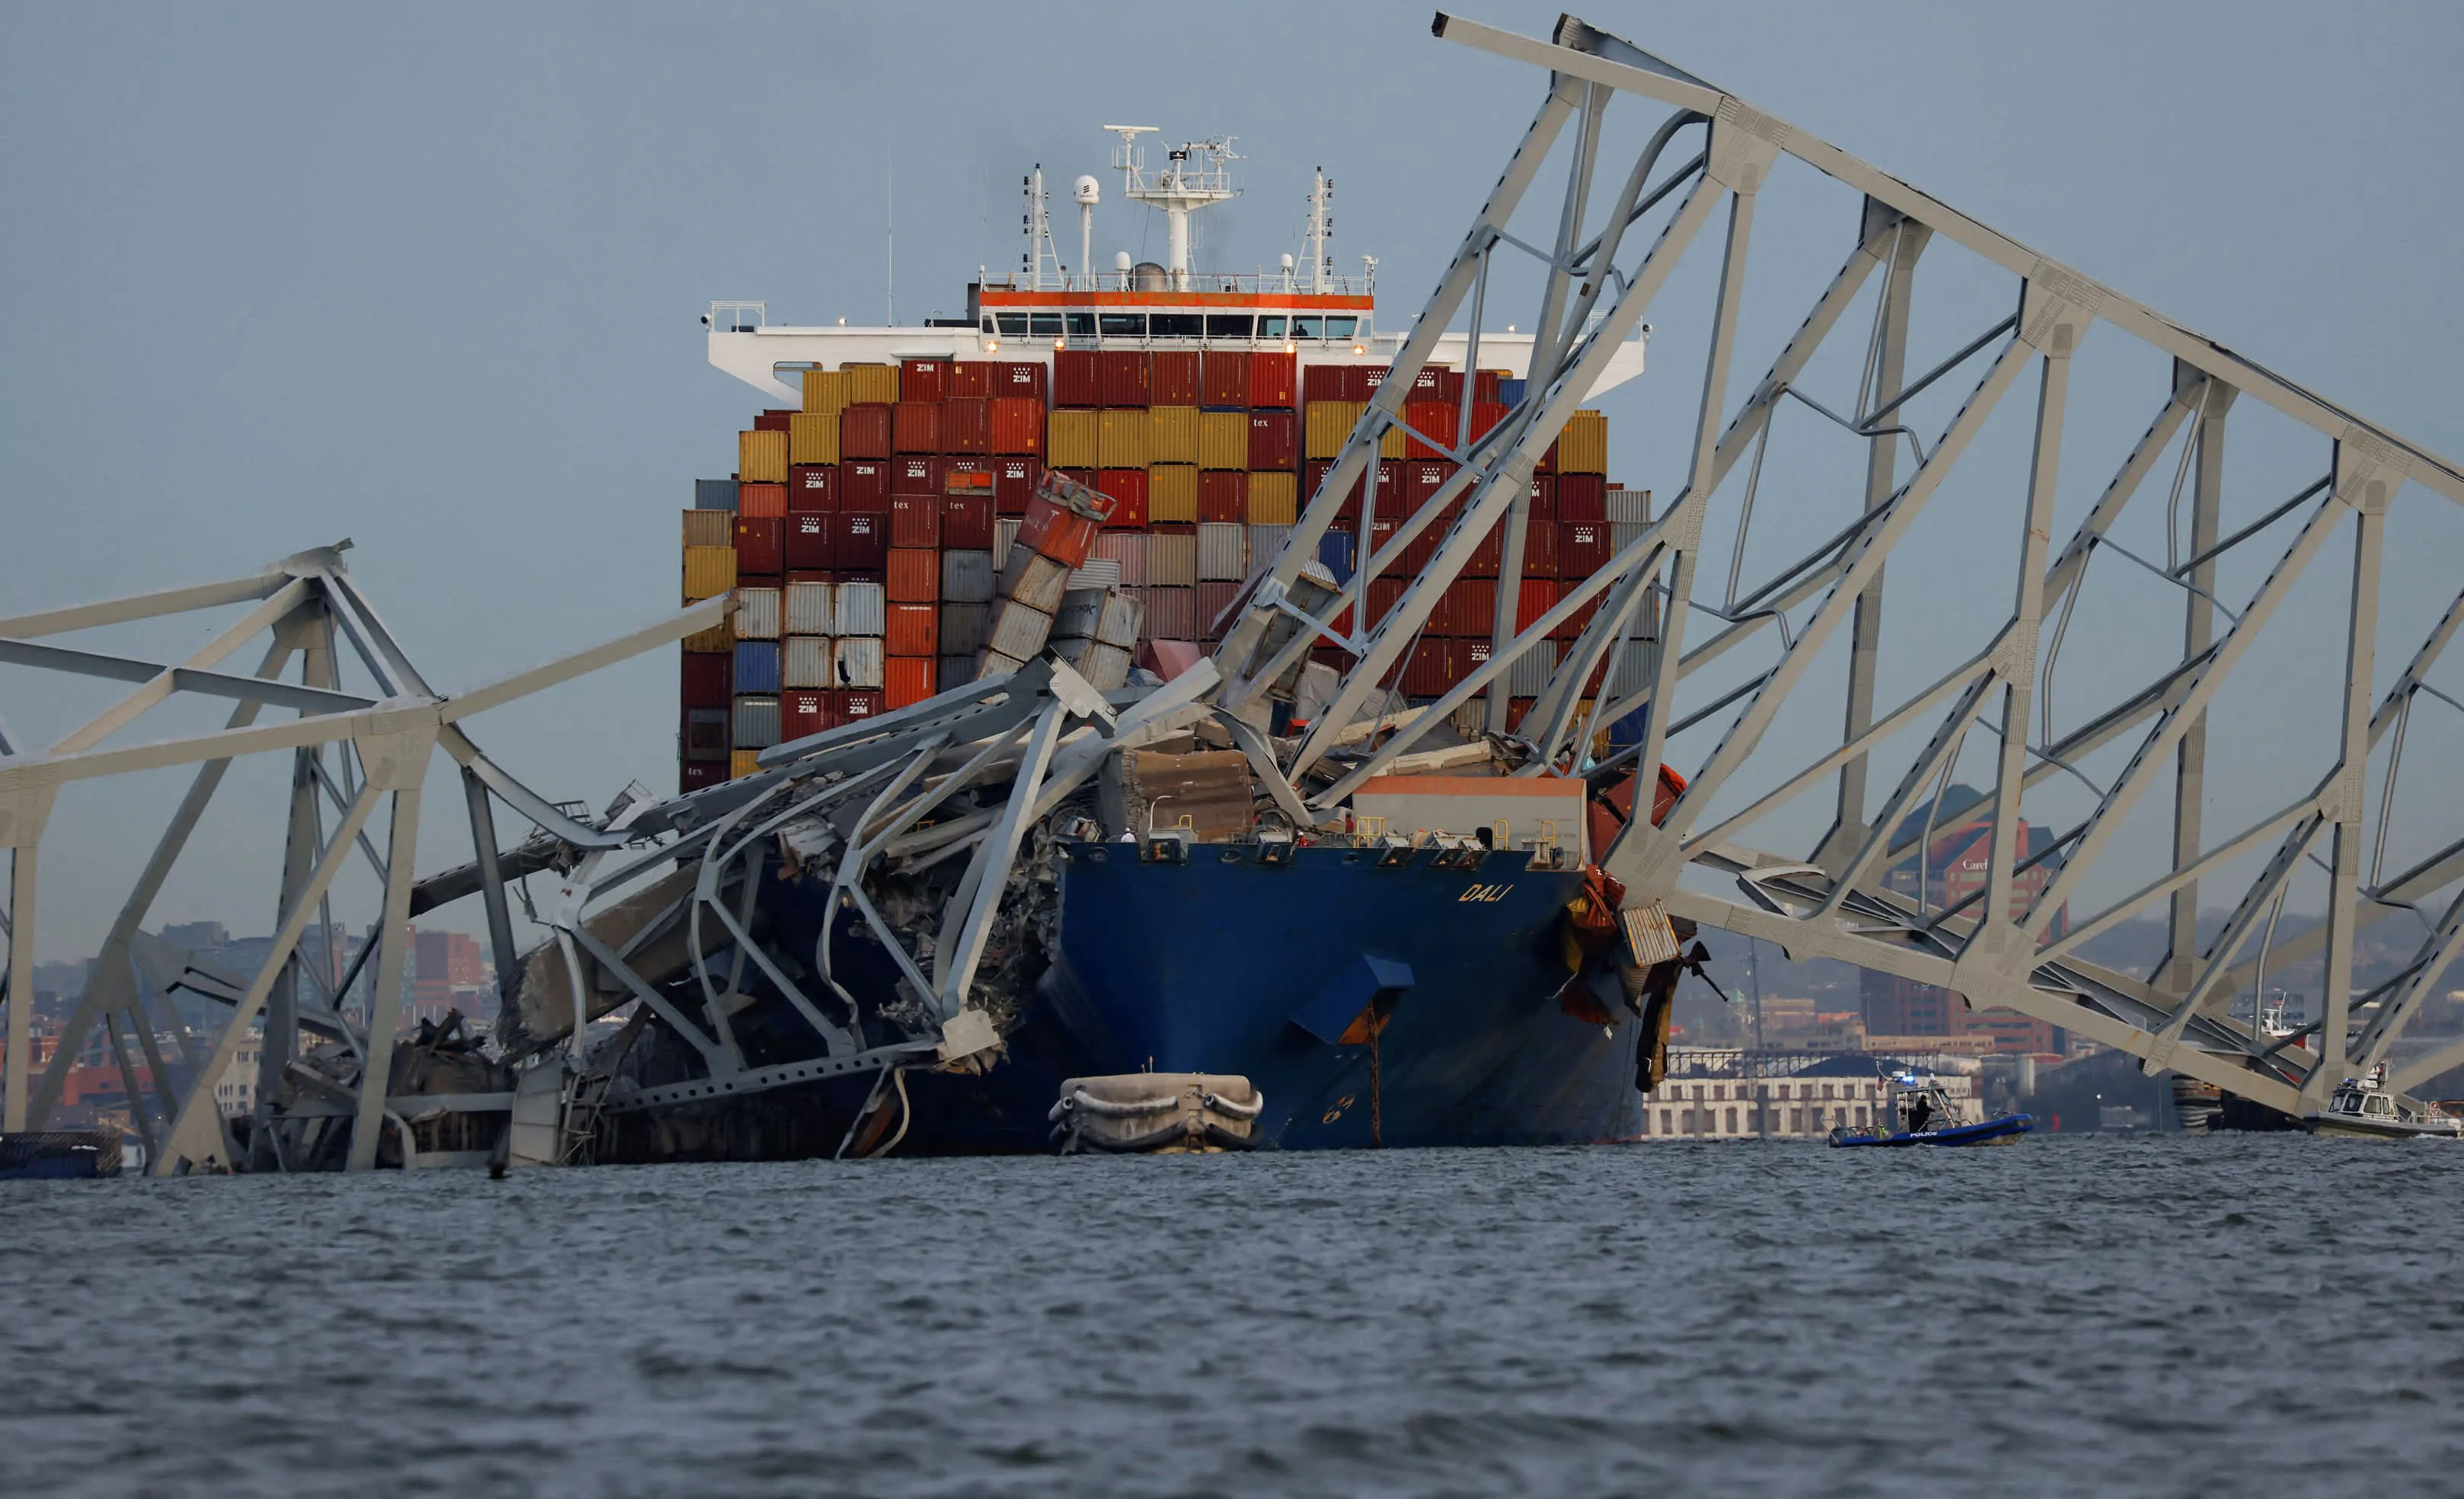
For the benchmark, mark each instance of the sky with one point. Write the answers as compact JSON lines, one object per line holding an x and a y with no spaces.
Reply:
{"x":432,"y":277}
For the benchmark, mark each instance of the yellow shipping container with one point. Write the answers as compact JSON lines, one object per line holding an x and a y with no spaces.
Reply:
{"x":1172,"y":493}
{"x":1327,"y":426}
{"x":711,"y":528}
{"x":870,"y":383}
{"x":1583,"y":447}
{"x":1122,"y":440}
{"x":813,"y":439}
{"x":825,"y":392}
{"x":761,"y":457}
{"x":742,"y":763}
{"x":710,"y":571}
{"x":1223,"y":439}
{"x":1070,"y":439}
{"x":1391,"y":444}
{"x":716,"y":641}
{"x":1172,"y":434}
{"x":1274,"y":498}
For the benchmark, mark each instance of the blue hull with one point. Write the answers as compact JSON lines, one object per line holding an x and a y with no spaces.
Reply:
{"x":2010,"y":1126}
{"x":1226,"y":964}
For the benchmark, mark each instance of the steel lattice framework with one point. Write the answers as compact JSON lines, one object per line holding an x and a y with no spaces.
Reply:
{"x":1829,"y":899}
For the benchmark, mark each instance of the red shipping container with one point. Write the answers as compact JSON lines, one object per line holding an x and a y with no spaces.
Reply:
{"x":864,"y":485}
{"x":1383,"y":595}
{"x":1123,"y":377}
{"x":1484,"y":417}
{"x":811,"y":487}
{"x":913,"y":575}
{"x":1548,"y":463}
{"x":915,"y":520}
{"x":967,"y":522}
{"x":1077,"y":378}
{"x":812,"y":574}
{"x":709,"y":679}
{"x":1476,"y":611}
{"x":1172,"y":378}
{"x":1475,"y":655}
{"x":1212,"y":598}
{"x":772,"y":420}
{"x":696,"y":775}
{"x":1486,"y":389}
{"x":801,"y":712}
{"x":1222,"y":496}
{"x":1057,"y":532}
{"x":762,"y":501}
{"x":1436,"y":383}
{"x":1326,"y":383}
{"x":915,"y":426}
{"x":1128,"y":489}
{"x":1583,"y":497}
{"x":1422,"y":478}
{"x":1428,"y":419}
{"x":1026,"y":378}
{"x":1274,"y":381}
{"x":1082,"y":476}
{"x":1539,"y":549}
{"x":812,"y":541}
{"x":914,"y":629}
{"x":1016,"y":425}
{"x":924,"y":380}
{"x":906,"y":681}
{"x":968,"y":478}
{"x":970,"y":380}
{"x":966,"y":425}
{"x":1361,"y":381}
{"x":1274,"y":441}
{"x":1014,"y":482}
{"x":863,"y":540}
{"x":916,"y":476}
{"x":864,"y":431}
{"x":849,"y":705}
{"x":759,"y":543}
{"x":1543,"y":504}
{"x":1224,"y":379}
{"x":1538,"y":596}
{"x":1418,"y":551}
{"x":1583,"y":548}
{"x":1488,"y":556}
{"x":1436,"y":665}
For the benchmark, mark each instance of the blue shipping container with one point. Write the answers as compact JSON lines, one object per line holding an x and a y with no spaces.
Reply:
{"x":1335,"y":549}
{"x":1510,"y":391}
{"x":1627,"y":731}
{"x":713,"y":494}
{"x":757,"y":665}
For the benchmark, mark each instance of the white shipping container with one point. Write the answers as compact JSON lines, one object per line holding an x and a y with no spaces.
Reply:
{"x":994,"y":664}
{"x":856,"y":661}
{"x":1529,"y":675}
{"x":809,"y":608}
{"x":1632,"y":673}
{"x":805,"y":662}
{"x":756,"y":722}
{"x":1004,"y":535}
{"x":1018,"y":630}
{"x":1100,"y":572}
{"x":1264,"y":542}
{"x":862,"y":609}
{"x":1172,"y":560}
{"x":1223,"y":552}
{"x":962,"y":628}
{"x":1104,"y":668}
{"x":1034,"y":580}
{"x":757,"y":614}
{"x":1129,"y":548}
{"x":966,"y":577}
{"x":1108,"y":615}
{"x":1623,"y":534}
{"x":1629,"y":506}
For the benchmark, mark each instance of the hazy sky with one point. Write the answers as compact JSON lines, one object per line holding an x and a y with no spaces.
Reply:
{"x":432,"y":276}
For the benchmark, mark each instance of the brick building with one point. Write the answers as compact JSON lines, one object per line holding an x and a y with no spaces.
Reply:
{"x":1951,"y":867}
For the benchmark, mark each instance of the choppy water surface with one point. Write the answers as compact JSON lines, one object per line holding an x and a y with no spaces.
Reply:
{"x":2167,"y":1316}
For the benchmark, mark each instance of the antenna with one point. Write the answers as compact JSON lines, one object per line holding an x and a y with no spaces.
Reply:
{"x":1321,"y":230}
{"x":1039,"y":232}
{"x":1087,"y":191}
{"x":1198,"y":176}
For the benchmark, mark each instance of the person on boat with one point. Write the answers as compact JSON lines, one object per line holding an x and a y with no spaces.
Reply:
{"x":1920,"y":1115}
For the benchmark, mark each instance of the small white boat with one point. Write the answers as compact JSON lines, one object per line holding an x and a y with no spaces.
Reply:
{"x":2363,"y":1107}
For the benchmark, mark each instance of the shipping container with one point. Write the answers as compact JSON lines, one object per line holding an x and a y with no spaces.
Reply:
{"x":1034,"y":580}
{"x":1472,"y":605}
{"x":1100,"y":572}
{"x":1121,"y":439}
{"x":1434,"y":666}
{"x":812,"y":488}
{"x":760,"y":547}
{"x":761,"y":501}
{"x":802,"y":714}
{"x":1628,"y":506}
{"x":1223,"y":494}
{"x":1335,"y":552}
{"x":1102,"y":614}
{"x":1583,"y":548}
{"x":1014,"y":482}
{"x":1313,"y":477}
{"x":705,"y":732}
{"x":1223,"y":439}
{"x":1025,"y":380}
{"x":967,"y":525}
{"x":1077,"y":379}
{"x":761,"y":457}
{"x":812,"y":439}
{"x":1274,"y":500}
{"x":966,"y":426}
{"x":1213,"y":603}
{"x":1577,"y":618}
{"x":1432,"y":430}
{"x":1016,"y":425}
{"x":968,"y":379}
{"x":717,"y":640}
{"x":1326,"y":383}
{"x":1172,"y":378}
{"x":1075,"y":438}
{"x":1489,"y":557}
{"x":862,"y":541}
{"x":1623,"y":534}
{"x":1422,"y":478}
{"x":1171,"y":613}
{"x":864,"y":430}
{"x":713,"y":494}
{"x":914,"y":629}
{"x":743,"y":762}
{"x":1266,"y":543}
{"x":1222,"y":553}
{"x":1005,"y":537}
{"x":1018,"y":630}
{"x":871,"y":385}
{"x":1583,"y":445}
{"x":906,"y":681}
{"x":926,"y":379}
{"x":808,"y":608}
{"x":1172,"y":557}
{"x":860,"y":609}
{"x":855,"y":661}
{"x":1328,"y":425}
{"x":1527,"y":676}
{"x":1172,"y":434}
{"x":804,"y":661}
{"x":1539,"y":549}
{"x":707,"y":681}
{"x":963,"y":627}
{"x":1583,"y":497}
{"x":709,"y":528}
{"x":1436,"y":383}
{"x":969,"y":479}
{"x":954,"y":672}
{"x":825,"y":392}
{"x":853,"y":706}
{"x":915,"y":520}
{"x":913,"y":575}
{"x":1541,"y":504}
{"x":1126,"y":488}
{"x":1274,"y":442}
{"x":967,"y":575}
{"x":864,"y":484}
{"x":1172,"y":493}
{"x":1538,"y":596}
{"x":1224,"y":380}
{"x":1123,"y":374}
{"x":1128,"y":549}
{"x":757,"y":665}
{"x":915,"y":426}
{"x":1274,"y":381}
{"x":757,"y":614}
{"x":1058,"y":533}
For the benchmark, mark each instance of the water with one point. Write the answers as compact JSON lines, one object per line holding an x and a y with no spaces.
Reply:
{"x":2161,"y":1315}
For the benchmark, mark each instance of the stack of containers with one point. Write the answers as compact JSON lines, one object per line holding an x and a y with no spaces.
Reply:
{"x":705,"y":737}
{"x":1054,"y":538}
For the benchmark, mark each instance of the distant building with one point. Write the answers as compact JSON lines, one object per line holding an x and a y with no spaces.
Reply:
{"x":447,"y":974}
{"x":1950,"y":868}
{"x":236,"y":1096}
{"x":1711,"y":1095}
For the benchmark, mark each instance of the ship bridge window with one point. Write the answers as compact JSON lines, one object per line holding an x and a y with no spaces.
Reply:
{"x":1309,"y":327}
{"x":1341,"y":327}
{"x":1174,"y":325}
{"x":1228,"y":325}
{"x":1270,"y":327}
{"x":1122,"y":325}
{"x":1082,"y":324}
{"x":1012,"y":325}
{"x":1044,"y":325}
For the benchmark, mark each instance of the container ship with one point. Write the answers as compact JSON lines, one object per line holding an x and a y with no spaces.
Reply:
{"x":1039,"y":527}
